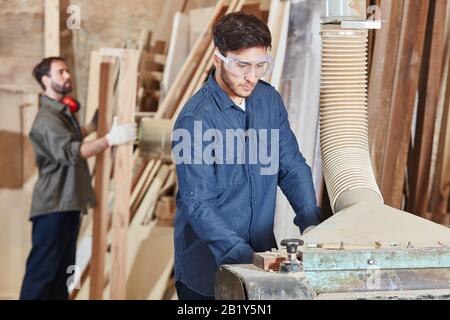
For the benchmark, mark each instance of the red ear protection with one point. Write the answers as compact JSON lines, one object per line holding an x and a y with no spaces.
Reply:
{"x":71,"y":103}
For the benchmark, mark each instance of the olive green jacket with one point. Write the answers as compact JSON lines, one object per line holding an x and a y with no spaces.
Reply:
{"x":64,"y":182}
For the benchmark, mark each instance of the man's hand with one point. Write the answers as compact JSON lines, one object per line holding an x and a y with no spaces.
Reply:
{"x":121,"y":134}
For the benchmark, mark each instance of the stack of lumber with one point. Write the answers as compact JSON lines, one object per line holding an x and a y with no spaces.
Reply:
{"x":409,"y":106}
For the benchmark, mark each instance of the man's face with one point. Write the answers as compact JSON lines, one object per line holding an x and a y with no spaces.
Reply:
{"x":241,"y":87}
{"x":59,"y":79}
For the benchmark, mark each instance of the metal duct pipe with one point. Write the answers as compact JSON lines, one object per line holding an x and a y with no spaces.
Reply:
{"x":343,"y":115}
{"x":343,"y":10}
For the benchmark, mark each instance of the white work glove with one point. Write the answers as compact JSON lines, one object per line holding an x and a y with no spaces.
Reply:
{"x":121,"y":134}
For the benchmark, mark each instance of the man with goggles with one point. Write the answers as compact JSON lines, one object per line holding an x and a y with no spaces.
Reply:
{"x":225,"y":210}
{"x":242,"y":68}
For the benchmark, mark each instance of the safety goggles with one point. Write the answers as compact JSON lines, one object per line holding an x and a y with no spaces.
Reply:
{"x":240,"y":68}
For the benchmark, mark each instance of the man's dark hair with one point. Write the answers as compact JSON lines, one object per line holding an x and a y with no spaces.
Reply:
{"x":237,"y":30}
{"x":43,"y":69}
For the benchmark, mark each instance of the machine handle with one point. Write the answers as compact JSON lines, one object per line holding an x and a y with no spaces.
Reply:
{"x":292,"y":244}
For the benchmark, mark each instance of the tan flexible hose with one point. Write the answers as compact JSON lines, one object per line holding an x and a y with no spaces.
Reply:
{"x":343,"y":114}
{"x":361,"y":219}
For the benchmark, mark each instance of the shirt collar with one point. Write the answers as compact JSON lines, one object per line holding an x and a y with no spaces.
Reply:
{"x":53,"y":104}
{"x":222,"y":99}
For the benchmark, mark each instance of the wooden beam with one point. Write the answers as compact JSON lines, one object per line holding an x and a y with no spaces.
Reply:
{"x":147,"y":178}
{"x":190,"y":65}
{"x":122,"y":169}
{"x":52,"y":47}
{"x":197,"y":21}
{"x":440,"y":175}
{"x":102,"y":177}
{"x":406,"y":82}
{"x":381,"y":81}
{"x":164,"y":25}
{"x":178,"y":49}
{"x":268,"y":260}
{"x":433,"y":67}
{"x":280,"y":35}
{"x":203,"y":68}
{"x":139,"y":231}
{"x":93,"y":94}
{"x":150,"y":283}
{"x":94,"y":85}
{"x":441,"y":185}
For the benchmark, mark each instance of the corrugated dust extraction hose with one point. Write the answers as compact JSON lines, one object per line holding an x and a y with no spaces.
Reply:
{"x":343,"y":115}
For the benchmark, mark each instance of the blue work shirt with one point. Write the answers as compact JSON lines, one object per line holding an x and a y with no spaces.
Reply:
{"x":225,"y":211}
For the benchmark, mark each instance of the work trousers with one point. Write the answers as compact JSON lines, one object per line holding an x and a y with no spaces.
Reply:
{"x":52,"y":257}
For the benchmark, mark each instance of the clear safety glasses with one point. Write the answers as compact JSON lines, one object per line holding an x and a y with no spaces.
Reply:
{"x":240,"y":68}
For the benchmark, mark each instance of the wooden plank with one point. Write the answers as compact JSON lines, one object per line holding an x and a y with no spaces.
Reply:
{"x":440,"y":175}
{"x":433,"y":67}
{"x":138,"y":172}
{"x":198,"y":20}
{"x":402,"y":104}
{"x":280,"y":35}
{"x":144,"y":41}
{"x":203,"y":68}
{"x":381,"y":81}
{"x":170,"y":183}
{"x":139,"y":230}
{"x":139,"y":194}
{"x":163,"y":28}
{"x":159,"y":289}
{"x":102,"y":176}
{"x":441,"y":190}
{"x":52,"y":47}
{"x":150,"y":283}
{"x":93,"y":94}
{"x":178,"y":50}
{"x":149,"y":214}
{"x":268,"y":260}
{"x":140,"y":183}
{"x":122,"y":170}
{"x":189,"y":67}
{"x":273,"y":15}
{"x":94,"y":85}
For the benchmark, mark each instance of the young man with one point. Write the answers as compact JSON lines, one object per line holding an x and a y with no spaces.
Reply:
{"x":63,"y":189}
{"x":226,"y":206}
